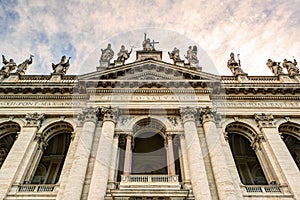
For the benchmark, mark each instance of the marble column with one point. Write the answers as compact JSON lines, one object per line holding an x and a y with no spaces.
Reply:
{"x":284,"y":161}
{"x":78,"y":170}
{"x":184,"y":159}
{"x":214,"y":140}
{"x":195,"y":157}
{"x":128,"y":155}
{"x":170,"y":154}
{"x":103,"y":158}
{"x":22,"y":149}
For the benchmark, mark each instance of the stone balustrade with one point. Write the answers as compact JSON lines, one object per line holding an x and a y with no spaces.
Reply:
{"x":36,"y":188}
{"x":150,"y":178}
{"x":266,"y":190}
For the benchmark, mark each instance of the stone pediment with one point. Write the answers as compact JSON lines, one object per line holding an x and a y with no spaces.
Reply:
{"x":149,"y":70}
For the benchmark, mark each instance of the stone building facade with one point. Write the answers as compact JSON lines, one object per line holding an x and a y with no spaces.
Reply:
{"x":149,"y":130}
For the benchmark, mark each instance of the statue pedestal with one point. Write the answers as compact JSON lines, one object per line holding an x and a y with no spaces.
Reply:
{"x":118,"y":63}
{"x":12,"y":78}
{"x":242,"y":77}
{"x":179,"y":63}
{"x":55,"y":77}
{"x":284,"y":78}
{"x":297,"y":77}
{"x":144,"y":55}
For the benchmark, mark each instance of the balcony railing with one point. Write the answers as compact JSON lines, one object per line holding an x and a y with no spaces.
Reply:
{"x":265,"y":190}
{"x":150,"y":181}
{"x":35,"y":188}
{"x":150,"y":178}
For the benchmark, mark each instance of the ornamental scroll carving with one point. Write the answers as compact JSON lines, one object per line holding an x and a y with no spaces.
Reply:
{"x":264,"y":120}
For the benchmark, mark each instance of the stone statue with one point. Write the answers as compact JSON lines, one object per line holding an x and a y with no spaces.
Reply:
{"x":106,"y":55}
{"x":291,"y":67}
{"x":234,"y":66}
{"x":61,"y":67}
{"x":123,"y":54}
{"x":191,"y":56}
{"x":24,"y":66}
{"x":7,"y":67}
{"x":147,"y":46}
{"x":274,"y":67}
{"x":174,"y":55}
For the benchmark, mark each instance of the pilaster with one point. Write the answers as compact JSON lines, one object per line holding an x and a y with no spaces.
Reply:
{"x":21,"y":153}
{"x":284,"y":163}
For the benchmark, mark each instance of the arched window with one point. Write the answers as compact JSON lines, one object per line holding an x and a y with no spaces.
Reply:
{"x":149,"y":154}
{"x":290,"y":133}
{"x":8,"y":135}
{"x":49,"y":168}
{"x":245,"y":158}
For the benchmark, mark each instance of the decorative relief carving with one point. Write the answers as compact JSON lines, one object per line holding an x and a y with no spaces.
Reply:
{"x":174,"y":121}
{"x":34,"y":119}
{"x":110,"y":114}
{"x":188,"y":114}
{"x":255,"y":144}
{"x":123,"y":121}
{"x":264,"y":120}
{"x":40,"y":138}
{"x":88,"y":114}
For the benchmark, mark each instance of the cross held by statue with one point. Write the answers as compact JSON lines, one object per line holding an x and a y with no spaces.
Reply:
{"x":153,"y":43}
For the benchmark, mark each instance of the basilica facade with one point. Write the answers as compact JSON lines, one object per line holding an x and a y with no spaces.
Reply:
{"x":149,"y":130}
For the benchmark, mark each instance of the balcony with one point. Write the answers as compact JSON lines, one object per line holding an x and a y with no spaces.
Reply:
{"x":149,"y":182}
{"x":266,"y":191}
{"x":33,"y":191}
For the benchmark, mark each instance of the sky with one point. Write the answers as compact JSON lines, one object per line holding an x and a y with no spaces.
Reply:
{"x":48,"y":29}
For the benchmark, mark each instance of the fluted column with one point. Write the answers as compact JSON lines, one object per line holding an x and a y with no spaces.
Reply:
{"x":196,"y":162}
{"x":103,"y":158}
{"x":279,"y":150}
{"x":214,"y":139}
{"x":170,"y":154}
{"x":77,"y":174}
{"x":128,"y":155}
{"x":21,"y":153}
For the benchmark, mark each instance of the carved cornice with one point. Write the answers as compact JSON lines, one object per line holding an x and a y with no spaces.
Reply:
{"x":88,"y":114}
{"x":110,"y":114}
{"x":188,"y":114}
{"x":264,"y":120}
{"x":34,"y":119}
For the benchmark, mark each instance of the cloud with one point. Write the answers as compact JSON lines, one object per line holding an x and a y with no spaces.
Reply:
{"x":258,"y":30}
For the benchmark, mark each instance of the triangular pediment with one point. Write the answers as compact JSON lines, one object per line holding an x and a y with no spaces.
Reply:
{"x":149,"y":70}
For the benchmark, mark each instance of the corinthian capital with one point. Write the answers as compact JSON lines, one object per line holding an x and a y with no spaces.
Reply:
{"x":207,"y":114}
{"x":264,"y":120}
{"x":34,"y":119}
{"x":110,"y":114}
{"x":88,"y":114}
{"x":188,"y":114}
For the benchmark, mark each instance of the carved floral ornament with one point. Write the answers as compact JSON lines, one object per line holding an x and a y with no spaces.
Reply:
{"x":264,"y":120}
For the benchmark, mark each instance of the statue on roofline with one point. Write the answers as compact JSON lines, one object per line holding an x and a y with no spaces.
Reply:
{"x":234,"y":66}
{"x":61,"y":67}
{"x":291,"y":67}
{"x":191,"y":56}
{"x":147,"y":45}
{"x":274,"y":67}
{"x":7,"y":67}
{"x":106,"y":55}
{"x":123,"y":54}
{"x":174,"y":55}
{"x":21,"y":69}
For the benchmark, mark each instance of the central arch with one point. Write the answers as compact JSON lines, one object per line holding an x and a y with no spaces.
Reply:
{"x":149,"y":155}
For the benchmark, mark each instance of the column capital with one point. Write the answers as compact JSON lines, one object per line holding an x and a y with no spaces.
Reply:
{"x":88,"y":114}
{"x":207,"y":114}
{"x":264,"y":120}
{"x":110,"y":114}
{"x":34,"y":119}
{"x":40,"y":138}
{"x":188,"y":114}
